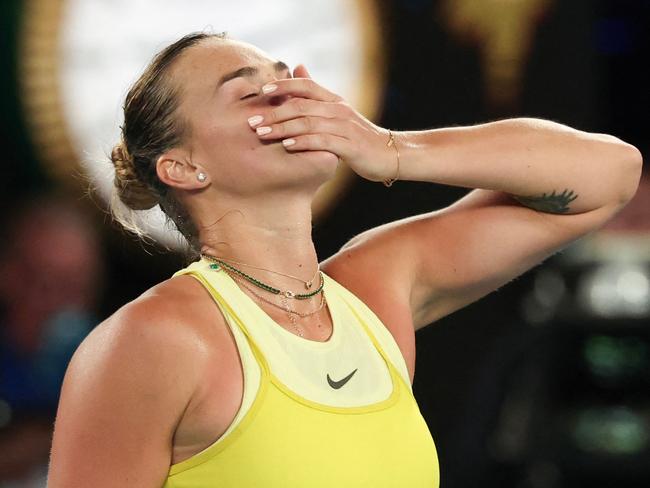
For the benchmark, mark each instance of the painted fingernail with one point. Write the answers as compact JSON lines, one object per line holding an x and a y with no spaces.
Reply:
{"x":269,"y":88}
{"x":288,"y":142}
{"x":255,"y":120}
{"x":263,"y":130}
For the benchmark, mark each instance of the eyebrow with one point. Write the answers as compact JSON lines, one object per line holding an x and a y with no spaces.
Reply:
{"x":249,"y":71}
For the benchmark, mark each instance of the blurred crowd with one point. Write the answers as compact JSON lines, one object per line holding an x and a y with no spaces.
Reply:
{"x":50,"y":279}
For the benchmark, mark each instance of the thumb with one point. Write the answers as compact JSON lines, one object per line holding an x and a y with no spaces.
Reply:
{"x":301,"y":72}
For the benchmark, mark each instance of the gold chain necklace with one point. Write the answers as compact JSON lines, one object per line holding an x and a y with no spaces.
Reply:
{"x":286,"y":307}
{"x":218,"y":264}
{"x":308,"y":284}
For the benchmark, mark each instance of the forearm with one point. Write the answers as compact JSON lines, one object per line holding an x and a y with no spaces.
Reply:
{"x":549,"y":166}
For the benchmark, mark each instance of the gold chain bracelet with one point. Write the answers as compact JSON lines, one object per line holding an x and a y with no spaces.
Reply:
{"x":391,"y":142}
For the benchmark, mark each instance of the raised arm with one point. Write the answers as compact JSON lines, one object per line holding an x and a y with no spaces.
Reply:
{"x":547,"y":166}
{"x":538,"y":185}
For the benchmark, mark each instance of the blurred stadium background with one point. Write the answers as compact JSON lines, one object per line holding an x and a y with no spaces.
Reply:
{"x":545,"y":383}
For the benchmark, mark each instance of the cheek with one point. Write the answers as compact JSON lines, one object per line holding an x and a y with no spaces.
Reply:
{"x":232,"y":150}
{"x":222,"y":139}
{"x":219,"y":141}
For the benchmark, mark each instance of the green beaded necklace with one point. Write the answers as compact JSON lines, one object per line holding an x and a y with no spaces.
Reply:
{"x":218,"y":264}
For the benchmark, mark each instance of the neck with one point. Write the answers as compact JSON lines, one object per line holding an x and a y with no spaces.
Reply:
{"x":272,"y":234}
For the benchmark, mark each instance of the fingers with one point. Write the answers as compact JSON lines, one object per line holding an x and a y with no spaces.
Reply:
{"x":304,"y":125}
{"x":300,"y":87}
{"x":317,"y":142}
{"x":312,"y":119}
{"x":298,"y":107}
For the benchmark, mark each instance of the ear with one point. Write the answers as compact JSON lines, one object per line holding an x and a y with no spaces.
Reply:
{"x":301,"y":72}
{"x":176,"y":171}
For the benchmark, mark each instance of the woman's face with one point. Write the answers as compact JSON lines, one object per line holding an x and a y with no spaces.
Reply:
{"x":220,"y":82}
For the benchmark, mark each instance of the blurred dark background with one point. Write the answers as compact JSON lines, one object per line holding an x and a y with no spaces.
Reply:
{"x":542,"y":384}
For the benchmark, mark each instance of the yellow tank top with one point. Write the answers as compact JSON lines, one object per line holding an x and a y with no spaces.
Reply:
{"x":339,"y":413}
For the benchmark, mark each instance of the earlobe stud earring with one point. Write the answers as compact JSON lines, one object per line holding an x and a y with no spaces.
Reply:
{"x":201,"y":176}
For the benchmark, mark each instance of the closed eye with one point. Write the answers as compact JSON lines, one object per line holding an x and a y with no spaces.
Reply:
{"x":249,"y":96}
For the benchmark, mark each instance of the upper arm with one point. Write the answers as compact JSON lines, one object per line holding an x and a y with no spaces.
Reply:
{"x":443,"y":260}
{"x":481,"y":242}
{"x":125,"y":389}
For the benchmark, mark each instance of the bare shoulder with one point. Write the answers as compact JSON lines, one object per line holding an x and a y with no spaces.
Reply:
{"x":374,"y":266}
{"x":126,"y":388}
{"x":162,"y":321}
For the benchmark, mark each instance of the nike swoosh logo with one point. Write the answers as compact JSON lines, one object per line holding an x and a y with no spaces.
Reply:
{"x":338,"y":384}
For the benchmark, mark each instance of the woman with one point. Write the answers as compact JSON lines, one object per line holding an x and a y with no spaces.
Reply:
{"x":251,"y":368}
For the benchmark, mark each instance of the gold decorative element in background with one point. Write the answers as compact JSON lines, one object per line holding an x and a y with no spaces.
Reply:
{"x":40,"y":91}
{"x":504,"y":32}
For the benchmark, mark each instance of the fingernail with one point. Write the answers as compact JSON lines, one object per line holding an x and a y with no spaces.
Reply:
{"x":269,"y":88}
{"x":263,"y":130}
{"x":288,"y":142}
{"x":255,"y":120}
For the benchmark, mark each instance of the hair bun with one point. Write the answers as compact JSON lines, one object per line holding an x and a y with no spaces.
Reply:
{"x":131,"y":190}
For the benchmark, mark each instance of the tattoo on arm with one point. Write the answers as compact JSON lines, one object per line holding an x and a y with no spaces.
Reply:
{"x":549,"y":203}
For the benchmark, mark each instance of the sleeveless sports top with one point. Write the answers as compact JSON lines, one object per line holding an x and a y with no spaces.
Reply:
{"x":335,"y":414}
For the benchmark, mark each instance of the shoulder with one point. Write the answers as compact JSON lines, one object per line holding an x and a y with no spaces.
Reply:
{"x":128,"y":385}
{"x":379,"y":259}
{"x":165,"y":312}
{"x":156,"y":330}
{"x":375,"y":267}
{"x":160,"y":335}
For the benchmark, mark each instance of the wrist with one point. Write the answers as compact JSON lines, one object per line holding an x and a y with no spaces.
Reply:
{"x":392,"y":143}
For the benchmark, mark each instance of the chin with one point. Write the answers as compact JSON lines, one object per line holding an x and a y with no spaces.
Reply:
{"x":318,"y":167}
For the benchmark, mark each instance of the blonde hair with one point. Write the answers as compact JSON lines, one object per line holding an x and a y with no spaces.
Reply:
{"x":151,"y":127}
